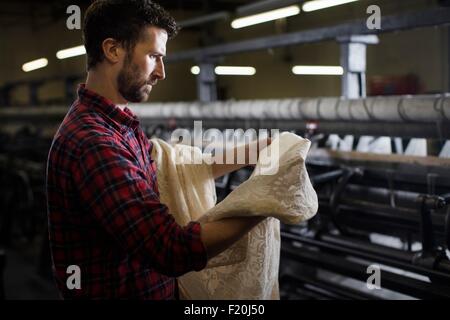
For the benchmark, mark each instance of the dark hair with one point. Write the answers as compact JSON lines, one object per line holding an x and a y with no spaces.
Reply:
{"x":122,"y":20}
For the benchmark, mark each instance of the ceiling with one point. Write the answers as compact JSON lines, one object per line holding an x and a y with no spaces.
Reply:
{"x":41,"y":13}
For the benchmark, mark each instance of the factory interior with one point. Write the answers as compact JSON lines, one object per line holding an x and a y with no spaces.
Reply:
{"x":366,"y":81}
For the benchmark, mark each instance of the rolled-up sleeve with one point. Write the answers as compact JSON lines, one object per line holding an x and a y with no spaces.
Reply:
{"x":117,"y":192}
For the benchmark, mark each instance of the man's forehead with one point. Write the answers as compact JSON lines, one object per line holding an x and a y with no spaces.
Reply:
{"x":152,"y":33}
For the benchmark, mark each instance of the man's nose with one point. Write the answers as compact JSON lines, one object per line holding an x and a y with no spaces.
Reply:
{"x":160,"y":70}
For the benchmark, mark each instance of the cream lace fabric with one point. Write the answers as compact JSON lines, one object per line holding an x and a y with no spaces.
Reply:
{"x":279,"y":188}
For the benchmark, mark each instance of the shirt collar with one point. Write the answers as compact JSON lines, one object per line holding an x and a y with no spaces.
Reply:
{"x":123,"y":118}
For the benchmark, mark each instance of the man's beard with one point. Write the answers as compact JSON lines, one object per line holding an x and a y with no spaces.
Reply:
{"x":129,"y":84}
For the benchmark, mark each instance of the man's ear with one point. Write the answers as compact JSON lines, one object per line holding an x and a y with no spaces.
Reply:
{"x":112,"y":50}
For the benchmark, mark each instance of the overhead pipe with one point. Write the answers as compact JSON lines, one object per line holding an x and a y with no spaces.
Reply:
{"x":222,"y":15}
{"x":265,"y":5}
{"x":408,"y":109}
{"x":383,"y":109}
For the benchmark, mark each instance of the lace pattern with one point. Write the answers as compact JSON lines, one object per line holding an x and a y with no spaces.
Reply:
{"x":249,"y":268}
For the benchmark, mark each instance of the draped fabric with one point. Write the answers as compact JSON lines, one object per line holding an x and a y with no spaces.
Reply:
{"x":278,"y":188}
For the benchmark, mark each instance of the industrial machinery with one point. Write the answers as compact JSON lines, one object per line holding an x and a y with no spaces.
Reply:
{"x":380,"y":166}
{"x":383,"y":190}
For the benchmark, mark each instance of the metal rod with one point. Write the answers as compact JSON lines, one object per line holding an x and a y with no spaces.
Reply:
{"x":390,"y":280}
{"x":222,"y":15}
{"x":378,"y":257}
{"x":326,"y":177}
{"x":264,"y":5}
{"x":341,"y":291}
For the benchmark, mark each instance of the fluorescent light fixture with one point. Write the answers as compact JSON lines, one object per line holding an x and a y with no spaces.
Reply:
{"x":195,"y":70}
{"x":35,"y":64}
{"x":228,"y":71}
{"x":235,"y":71}
{"x":322,"y":4}
{"x":265,"y":16}
{"x":318,"y":70}
{"x":71,"y":52}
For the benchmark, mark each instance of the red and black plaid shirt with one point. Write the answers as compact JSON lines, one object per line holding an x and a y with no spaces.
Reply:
{"x":104,"y":211}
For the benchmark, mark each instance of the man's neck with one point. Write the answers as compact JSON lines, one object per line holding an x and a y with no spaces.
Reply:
{"x":105,"y":86}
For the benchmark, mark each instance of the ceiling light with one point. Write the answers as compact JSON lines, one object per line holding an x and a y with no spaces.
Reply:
{"x":71,"y":52}
{"x":318,"y":70}
{"x":322,"y":4}
{"x":195,"y":70}
{"x":235,"y":71}
{"x":35,"y":64}
{"x":228,"y":71}
{"x":265,"y":16}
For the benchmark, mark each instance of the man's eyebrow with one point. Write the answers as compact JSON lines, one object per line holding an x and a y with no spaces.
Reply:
{"x":155,"y":53}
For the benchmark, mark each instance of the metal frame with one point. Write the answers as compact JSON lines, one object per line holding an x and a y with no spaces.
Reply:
{"x":206,"y":82}
{"x":432,"y":17}
{"x":222,"y":15}
{"x":264,"y":5}
{"x":342,"y":266}
{"x":353,"y":49}
{"x":353,"y":61}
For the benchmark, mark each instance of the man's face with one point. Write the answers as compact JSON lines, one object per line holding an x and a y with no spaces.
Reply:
{"x":144,"y":66}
